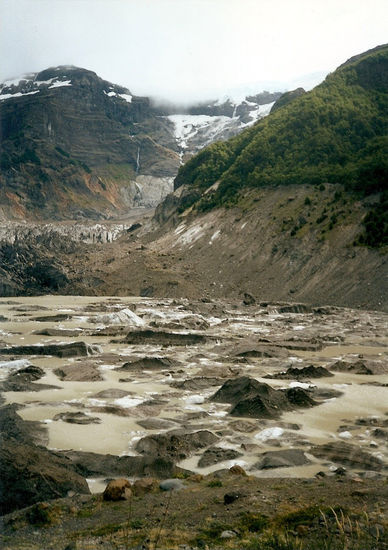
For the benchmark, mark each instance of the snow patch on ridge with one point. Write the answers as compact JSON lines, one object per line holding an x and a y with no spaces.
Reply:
{"x":17,"y":94}
{"x":59,"y":84}
{"x":127,"y":97}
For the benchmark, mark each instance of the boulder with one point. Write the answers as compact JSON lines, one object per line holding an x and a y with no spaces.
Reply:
{"x":237,"y":470}
{"x":294,"y":308}
{"x":248,"y":299}
{"x":346,"y":454}
{"x":372,"y":421}
{"x":144,"y":485}
{"x":213,"y":455}
{"x":101,"y":465}
{"x":260,"y":350}
{"x":156,"y":424}
{"x":68,"y":333}
{"x":255,"y":399}
{"x":301,"y":345}
{"x":163,"y":338}
{"x":73,"y":349}
{"x":57,"y":318}
{"x":358,"y":367}
{"x":295,"y":373}
{"x":24,"y":380}
{"x":113,"y":409}
{"x":29,"y":373}
{"x":77,"y":418}
{"x":228,"y":535}
{"x":171,"y":485}
{"x":80,"y":372}
{"x":115,"y":393}
{"x":229,"y":498}
{"x":321,"y":394}
{"x":148,"y":363}
{"x":197,"y":383}
{"x":380,"y":433}
{"x":175,"y":445}
{"x":281,"y":459}
{"x":243,"y":426}
{"x":117,"y":489}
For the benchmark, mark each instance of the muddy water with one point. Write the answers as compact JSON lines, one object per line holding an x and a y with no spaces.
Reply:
{"x":347,"y":335}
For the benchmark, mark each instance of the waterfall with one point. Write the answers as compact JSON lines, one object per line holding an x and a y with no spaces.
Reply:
{"x":138,"y":160}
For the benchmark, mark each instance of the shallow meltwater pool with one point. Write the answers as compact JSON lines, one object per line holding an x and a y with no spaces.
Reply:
{"x":140,"y":367}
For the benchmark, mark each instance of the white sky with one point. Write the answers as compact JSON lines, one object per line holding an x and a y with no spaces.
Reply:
{"x":189,"y":49}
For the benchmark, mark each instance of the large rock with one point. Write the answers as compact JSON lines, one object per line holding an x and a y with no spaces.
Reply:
{"x":73,"y":349}
{"x":260,"y":350}
{"x":57,"y":318}
{"x":23,"y":380}
{"x":255,"y":399}
{"x":217,"y":454}
{"x":175,"y":445}
{"x":281,"y":459}
{"x":163,"y":338}
{"x":197,"y":383}
{"x":83,"y":372}
{"x":156,"y":424}
{"x":64,"y":332}
{"x":357,"y":367}
{"x":148,"y":363}
{"x":295,"y":373}
{"x":77,"y":418}
{"x":98,"y":465}
{"x":144,"y":485}
{"x":117,"y":489}
{"x":115,"y":393}
{"x":346,"y":454}
{"x":171,"y":485}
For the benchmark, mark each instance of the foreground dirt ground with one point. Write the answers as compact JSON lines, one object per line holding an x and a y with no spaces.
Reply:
{"x":222,"y":510}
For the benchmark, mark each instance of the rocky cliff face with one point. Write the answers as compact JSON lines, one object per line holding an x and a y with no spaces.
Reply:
{"x":74,"y":146}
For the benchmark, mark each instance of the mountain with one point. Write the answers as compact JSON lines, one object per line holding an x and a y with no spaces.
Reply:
{"x":335,"y":133}
{"x":293,"y":208}
{"x":75,"y":146}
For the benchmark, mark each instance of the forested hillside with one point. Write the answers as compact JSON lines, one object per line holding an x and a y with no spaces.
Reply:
{"x":336,"y":133}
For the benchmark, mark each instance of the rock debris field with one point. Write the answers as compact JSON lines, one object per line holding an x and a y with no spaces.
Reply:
{"x":139,"y":386}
